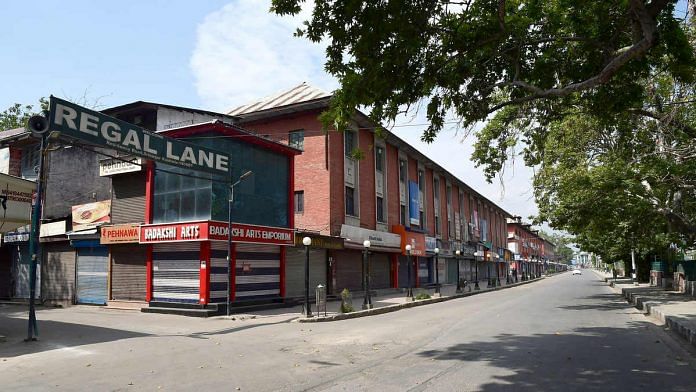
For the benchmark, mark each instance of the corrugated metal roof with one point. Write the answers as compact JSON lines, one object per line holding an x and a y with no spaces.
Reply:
{"x":302,"y":93}
{"x":11,"y":132}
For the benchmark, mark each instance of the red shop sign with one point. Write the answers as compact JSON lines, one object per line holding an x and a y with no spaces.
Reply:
{"x":215,"y":231}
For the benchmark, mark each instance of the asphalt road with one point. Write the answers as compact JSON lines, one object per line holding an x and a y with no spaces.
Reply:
{"x":569,"y":333}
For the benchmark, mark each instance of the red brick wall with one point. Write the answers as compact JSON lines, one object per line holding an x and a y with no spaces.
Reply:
{"x":311,"y":173}
{"x":393,"y":209}
{"x":443,"y":208}
{"x":15,"y":162}
{"x":429,"y":203}
{"x":368,"y":201}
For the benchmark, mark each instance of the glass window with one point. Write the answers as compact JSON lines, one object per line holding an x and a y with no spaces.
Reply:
{"x":402,"y":170}
{"x":379,"y":159}
{"x":437,"y":225}
{"x":30,"y":161}
{"x":299,"y":202}
{"x":421,"y":181}
{"x":380,"y":210}
{"x":296,"y":139}
{"x":349,"y":142}
{"x":436,"y":188}
{"x":402,"y":214}
{"x":449,"y":195}
{"x":350,"y":201}
{"x":180,"y":196}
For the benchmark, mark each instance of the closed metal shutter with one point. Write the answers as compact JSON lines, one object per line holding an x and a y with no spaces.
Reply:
{"x":92,"y":270}
{"x":403,"y":271}
{"x":452,"y":271}
{"x":348,"y":270}
{"x":58,"y":271}
{"x":5,"y":272}
{"x":128,"y":272}
{"x":380,"y":271}
{"x":258,"y":271}
{"x":426,"y":272}
{"x":20,"y":272}
{"x":128,"y":201}
{"x":218,"y":272}
{"x":176,"y":272}
{"x":295,"y":273}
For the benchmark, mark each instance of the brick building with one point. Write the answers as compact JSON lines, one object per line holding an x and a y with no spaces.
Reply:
{"x":527,"y":247}
{"x":358,"y":185}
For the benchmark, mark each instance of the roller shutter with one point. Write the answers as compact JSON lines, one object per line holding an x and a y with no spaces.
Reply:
{"x":258,"y":271}
{"x":5,"y":272}
{"x":128,"y":202}
{"x":176,"y":272}
{"x":452,"y":271}
{"x":348,"y":270}
{"x":58,"y":271}
{"x":403,"y":271}
{"x":380,"y":271}
{"x":92,"y":270}
{"x":128,"y":272}
{"x":218,"y":272}
{"x":295,"y":273}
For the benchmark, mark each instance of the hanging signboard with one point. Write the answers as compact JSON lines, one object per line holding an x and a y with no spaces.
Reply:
{"x":76,"y":122}
{"x":15,"y":201}
{"x":109,"y":167}
{"x":413,"y":203}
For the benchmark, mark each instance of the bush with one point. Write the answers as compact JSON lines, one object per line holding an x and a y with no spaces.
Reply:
{"x":423,"y":295}
{"x":346,"y":301}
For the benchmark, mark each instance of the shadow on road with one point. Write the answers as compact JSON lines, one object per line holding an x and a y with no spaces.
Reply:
{"x":54,"y":335}
{"x":581,"y":360}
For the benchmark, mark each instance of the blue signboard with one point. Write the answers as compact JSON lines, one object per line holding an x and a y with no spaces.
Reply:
{"x":413,"y":203}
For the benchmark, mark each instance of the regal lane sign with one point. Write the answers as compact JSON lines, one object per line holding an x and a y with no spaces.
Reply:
{"x":76,"y":122}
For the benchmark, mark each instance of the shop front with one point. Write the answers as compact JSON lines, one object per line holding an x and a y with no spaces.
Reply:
{"x":16,"y":257}
{"x":128,"y":272}
{"x":320,"y":263}
{"x":382,"y":255}
{"x":417,"y":254}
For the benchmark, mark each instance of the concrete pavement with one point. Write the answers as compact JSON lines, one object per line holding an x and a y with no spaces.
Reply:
{"x":675,"y":310}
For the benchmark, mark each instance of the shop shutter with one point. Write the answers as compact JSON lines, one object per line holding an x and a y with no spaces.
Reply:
{"x":20,"y":272}
{"x":295,"y":274}
{"x":348,"y":270}
{"x":58,"y":271}
{"x":218,"y":272}
{"x":403,"y":271}
{"x":452,"y":271}
{"x":258,"y":272}
{"x":128,"y":272}
{"x":128,"y":203}
{"x":426,"y":273}
{"x":176,"y":272}
{"x":380,"y":271}
{"x":92,"y":270}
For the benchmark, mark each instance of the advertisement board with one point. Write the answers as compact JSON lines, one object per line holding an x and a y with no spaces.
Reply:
{"x":215,"y":231}
{"x":15,"y":202}
{"x":120,"y":234}
{"x":90,"y":215}
{"x":413,"y":203}
{"x":86,"y":125}
{"x":111,"y":166}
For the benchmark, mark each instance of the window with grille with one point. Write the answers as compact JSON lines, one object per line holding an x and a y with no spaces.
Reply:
{"x":296,"y":139}
{"x":350,"y":201}
{"x":299,"y":202}
{"x":380,"y":210}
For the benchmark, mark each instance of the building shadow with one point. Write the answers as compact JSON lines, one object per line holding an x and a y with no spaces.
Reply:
{"x":585,"y":359}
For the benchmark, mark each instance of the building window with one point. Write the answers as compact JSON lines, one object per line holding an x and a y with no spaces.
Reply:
{"x":402,"y":214}
{"x":436,"y":189}
{"x":421,"y":181}
{"x":180,"y":195}
{"x":30,"y":162}
{"x":379,"y":159}
{"x":296,"y":139}
{"x":437,"y":225}
{"x":350,"y":201}
{"x":380,"y":210}
{"x":402,"y":171}
{"x":349,"y":142}
{"x":449,"y":196}
{"x":299,"y":202}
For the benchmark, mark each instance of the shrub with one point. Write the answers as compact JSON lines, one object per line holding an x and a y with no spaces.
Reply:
{"x":423,"y":295}
{"x":346,"y":301}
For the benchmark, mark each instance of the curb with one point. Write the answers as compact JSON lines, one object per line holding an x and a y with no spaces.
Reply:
{"x":394,"y":308}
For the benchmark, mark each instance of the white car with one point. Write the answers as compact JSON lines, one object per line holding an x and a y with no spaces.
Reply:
{"x":577,"y":272}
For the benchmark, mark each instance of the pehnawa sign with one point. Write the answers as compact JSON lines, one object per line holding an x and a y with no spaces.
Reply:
{"x":77,"y":122}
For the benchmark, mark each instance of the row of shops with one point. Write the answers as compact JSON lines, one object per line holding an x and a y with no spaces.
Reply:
{"x":186,"y":262}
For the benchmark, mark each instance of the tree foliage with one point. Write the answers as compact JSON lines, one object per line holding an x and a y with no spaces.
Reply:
{"x":16,"y":116}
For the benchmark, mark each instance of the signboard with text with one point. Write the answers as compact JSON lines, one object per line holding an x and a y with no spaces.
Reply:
{"x":413,"y":203}
{"x":120,"y":234}
{"x":110,"y":167}
{"x":215,"y":231}
{"x":76,"y":122}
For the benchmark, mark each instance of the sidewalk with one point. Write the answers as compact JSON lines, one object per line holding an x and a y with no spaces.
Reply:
{"x":675,"y":310}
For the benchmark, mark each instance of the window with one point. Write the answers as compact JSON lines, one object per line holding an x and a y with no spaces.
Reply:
{"x":421,"y":181}
{"x":402,"y":214}
{"x":349,"y":142}
{"x":299,"y":202}
{"x":449,"y":195}
{"x":379,"y":159}
{"x":436,"y":189}
{"x":402,"y":171}
{"x":350,"y":201}
{"x":30,"y":161}
{"x":380,"y":210}
{"x":437,"y":225}
{"x":180,"y":195}
{"x":296,"y":139}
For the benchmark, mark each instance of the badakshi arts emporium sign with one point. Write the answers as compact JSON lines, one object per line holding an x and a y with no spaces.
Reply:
{"x":215,"y":231}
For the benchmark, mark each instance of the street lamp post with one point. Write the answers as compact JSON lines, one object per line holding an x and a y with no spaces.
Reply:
{"x":437,"y":272}
{"x":367,"y":299}
{"x":306,"y":241}
{"x":458,"y":253}
{"x":229,"y":238}
{"x":497,"y":269}
{"x":477,"y":254}
{"x":409,"y":290}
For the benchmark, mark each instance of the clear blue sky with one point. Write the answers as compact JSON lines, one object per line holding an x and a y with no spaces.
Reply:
{"x":123,"y":50}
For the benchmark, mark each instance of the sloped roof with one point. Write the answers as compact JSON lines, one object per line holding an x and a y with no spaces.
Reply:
{"x":302,"y":93}
{"x":11,"y":132}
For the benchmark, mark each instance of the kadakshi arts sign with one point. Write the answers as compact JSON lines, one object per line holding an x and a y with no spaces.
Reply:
{"x":77,"y":122}
{"x":215,"y":231}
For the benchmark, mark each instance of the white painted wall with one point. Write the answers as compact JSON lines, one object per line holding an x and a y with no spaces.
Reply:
{"x":170,"y":118}
{"x":5,"y":160}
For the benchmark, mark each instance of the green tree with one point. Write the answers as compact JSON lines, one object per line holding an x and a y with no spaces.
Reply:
{"x":16,"y":116}
{"x":563,"y":252}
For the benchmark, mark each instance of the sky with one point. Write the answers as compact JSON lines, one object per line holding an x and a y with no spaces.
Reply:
{"x":208,"y":54}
